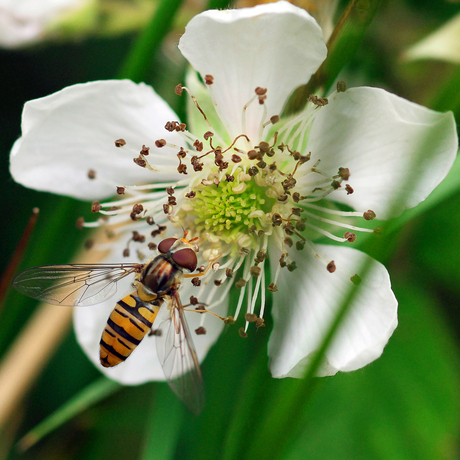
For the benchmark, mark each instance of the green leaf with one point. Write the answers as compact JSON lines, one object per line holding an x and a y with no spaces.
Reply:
{"x":86,"y":398}
{"x":405,"y":405}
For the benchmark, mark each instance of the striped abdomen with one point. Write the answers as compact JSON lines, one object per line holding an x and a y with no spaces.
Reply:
{"x":130,"y":321}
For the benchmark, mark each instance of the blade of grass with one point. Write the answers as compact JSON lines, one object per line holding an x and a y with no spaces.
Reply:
{"x":92,"y":394}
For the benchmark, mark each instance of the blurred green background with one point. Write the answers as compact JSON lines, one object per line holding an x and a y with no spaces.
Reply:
{"x":403,"y":406}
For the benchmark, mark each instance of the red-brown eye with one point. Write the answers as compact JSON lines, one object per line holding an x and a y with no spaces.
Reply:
{"x":185,"y":258}
{"x":166,"y":244}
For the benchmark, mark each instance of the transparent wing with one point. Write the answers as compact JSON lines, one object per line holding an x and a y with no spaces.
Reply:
{"x":179,"y":359}
{"x":74,"y":284}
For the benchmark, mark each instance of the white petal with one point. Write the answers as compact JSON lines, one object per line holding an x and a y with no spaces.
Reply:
{"x":397,"y":151}
{"x":275,"y":46}
{"x":309,"y":298}
{"x":66,"y":134}
{"x":143,"y":364}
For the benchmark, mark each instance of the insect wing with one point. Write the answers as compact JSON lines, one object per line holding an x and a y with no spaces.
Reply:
{"x":179,"y":359}
{"x":74,"y":284}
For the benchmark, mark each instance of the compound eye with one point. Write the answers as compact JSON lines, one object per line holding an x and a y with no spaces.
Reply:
{"x":185,"y":258}
{"x":166,"y":244}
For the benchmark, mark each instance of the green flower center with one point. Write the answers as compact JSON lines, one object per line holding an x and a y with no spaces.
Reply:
{"x":230,"y":209}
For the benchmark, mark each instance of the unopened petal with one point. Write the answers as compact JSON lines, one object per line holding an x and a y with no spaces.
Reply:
{"x":276,"y":46}
{"x":307,"y":302}
{"x":397,"y":151}
{"x":73,"y":131}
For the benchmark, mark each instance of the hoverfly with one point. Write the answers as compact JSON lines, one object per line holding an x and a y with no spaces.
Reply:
{"x":156,"y":284}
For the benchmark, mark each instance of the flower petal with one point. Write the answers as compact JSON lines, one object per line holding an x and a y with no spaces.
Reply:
{"x":143,"y":364}
{"x":275,"y":46}
{"x":70,"y":132}
{"x":301,"y":318}
{"x":397,"y":151}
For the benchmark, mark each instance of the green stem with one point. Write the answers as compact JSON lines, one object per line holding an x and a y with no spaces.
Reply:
{"x":138,"y":61}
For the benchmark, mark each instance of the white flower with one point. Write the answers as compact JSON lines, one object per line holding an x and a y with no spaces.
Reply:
{"x":23,"y":22}
{"x":271,"y":187}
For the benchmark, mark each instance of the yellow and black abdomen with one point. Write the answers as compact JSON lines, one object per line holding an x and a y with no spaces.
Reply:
{"x":130,"y":321}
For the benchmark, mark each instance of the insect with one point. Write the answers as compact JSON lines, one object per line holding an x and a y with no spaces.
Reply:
{"x":156,"y":285}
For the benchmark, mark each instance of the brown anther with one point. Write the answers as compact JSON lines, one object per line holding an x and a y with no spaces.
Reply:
{"x":133,"y":216}
{"x":167,"y":208}
{"x":250,"y":317}
{"x":276,"y":220}
{"x":150,"y":220}
{"x":196,"y":282}
{"x":181,"y":127}
{"x":120,"y":143}
{"x":355,"y":279}
{"x":140,"y":162}
{"x":152,"y":246}
{"x":172,"y":200}
{"x":198,"y":146}
{"x":96,"y":206}
{"x":275,"y":119}
{"x":254,"y":271}
{"x":341,"y":86}
{"x":240,"y":283}
{"x":182,"y":153}
{"x":126,"y":252}
{"x":344,"y":173}
{"x":272,"y":287}
{"x":260,"y":256}
{"x":300,"y":245}
{"x":349,"y":189}
{"x":236,"y":158}
{"x":190,"y":195}
{"x":292,"y":266}
{"x":242,"y":333}
{"x":120,"y":190}
{"x":253,"y":171}
{"x":335,"y":184}
{"x":207,"y":135}
{"x":296,"y":197}
{"x":229,"y":178}
{"x":288,"y":242}
{"x":182,"y":169}
{"x":264,"y":147}
{"x":138,"y":208}
{"x":209,"y":79}
{"x":193,"y":300}
{"x":282,"y":198}
{"x":378,"y":230}
{"x":170,"y":191}
{"x":178,"y":89}
{"x":138,"y":237}
{"x":331,"y":268}
{"x":229,"y":320}
{"x":252,"y":155}
{"x":300,"y":225}
{"x":229,"y":272}
{"x":261,"y":91}
{"x":369,"y":215}
{"x":80,"y":222}
{"x":282,"y":260}
{"x":91,"y":174}
{"x":260,"y":323}
{"x":200,"y":331}
{"x":350,"y":236}
{"x":217,"y":282}
{"x":160,"y":143}
{"x":145,"y":150}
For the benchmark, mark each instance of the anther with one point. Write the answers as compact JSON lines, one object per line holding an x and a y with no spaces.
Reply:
{"x":349,"y":189}
{"x":236,"y":158}
{"x":120,"y":190}
{"x":138,"y":208}
{"x":275,"y":119}
{"x":160,"y":143}
{"x":120,"y":143}
{"x":272,"y":287}
{"x":242,"y":333}
{"x":152,"y":246}
{"x":196,"y":281}
{"x":91,"y":174}
{"x":229,"y":320}
{"x":150,"y":220}
{"x":341,"y":86}
{"x":369,"y":215}
{"x":350,"y":236}
{"x":140,"y":162}
{"x":193,"y":300}
{"x":288,"y":242}
{"x":253,"y":171}
{"x":207,"y":135}
{"x":260,"y":323}
{"x":96,"y":206}
{"x":126,"y":252}
{"x":331,"y":268}
{"x":229,"y":272}
{"x":240,"y":283}
{"x":344,"y":173}
{"x":255,"y":271}
{"x":355,"y":279}
{"x":145,"y":150}
{"x":217,"y":282}
{"x":190,"y":195}
{"x":292,"y":266}
{"x":200,"y":331}
{"x":80,"y":222}
{"x":208,"y":79}
{"x":250,"y":317}
{"x":178,"y":89}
